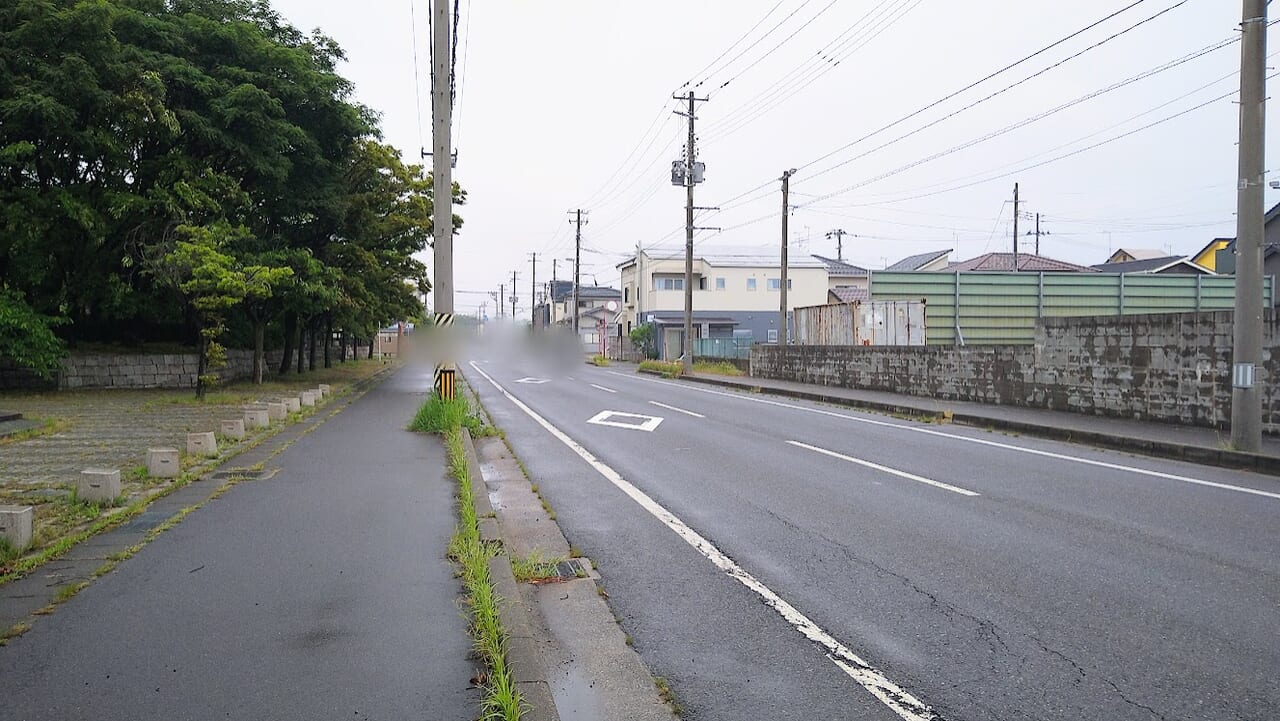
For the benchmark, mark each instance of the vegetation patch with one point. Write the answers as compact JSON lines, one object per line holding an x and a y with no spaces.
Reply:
{"x":666,"y":369}
{"x":501,"y":700}
{"x":48,"y":426}
{"x":720,"y":368}
{"x":600,"y":360}
{"x":534,"y":567}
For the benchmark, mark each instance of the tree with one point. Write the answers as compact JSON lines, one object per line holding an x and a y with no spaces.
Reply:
{"x":644,"y":338}
{"x":26,"y":337}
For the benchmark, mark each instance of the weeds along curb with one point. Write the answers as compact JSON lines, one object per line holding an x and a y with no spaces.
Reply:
{"x":501,"y":700}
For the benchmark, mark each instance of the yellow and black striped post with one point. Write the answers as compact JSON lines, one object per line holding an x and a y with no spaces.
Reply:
{"x":445,"y":381}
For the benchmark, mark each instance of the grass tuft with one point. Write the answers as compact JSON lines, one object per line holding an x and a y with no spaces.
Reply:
{"x":667,"y":370}
{"x":600,"y":360}
{"x":720,"y":368}
{"x":665,"y":693}
{"x":534,"y":567}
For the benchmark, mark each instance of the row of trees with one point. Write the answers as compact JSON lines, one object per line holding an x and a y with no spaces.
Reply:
{"x":192,"y":170}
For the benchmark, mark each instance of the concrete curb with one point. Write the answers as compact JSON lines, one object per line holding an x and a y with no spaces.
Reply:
{"x":1203,"y":455}
{"x":479,"y":494}
{"x":523,"y":655}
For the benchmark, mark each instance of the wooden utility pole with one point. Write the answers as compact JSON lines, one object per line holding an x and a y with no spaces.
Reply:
{"x":1246,"y":351}
{"x":786,"y":211}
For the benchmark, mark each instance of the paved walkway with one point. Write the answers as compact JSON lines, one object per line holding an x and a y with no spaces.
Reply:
{"x":321,"y":592}
{"x":1203,"y":445}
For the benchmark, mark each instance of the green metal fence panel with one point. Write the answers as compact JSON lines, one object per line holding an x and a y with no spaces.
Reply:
{"x":1002,"y":308}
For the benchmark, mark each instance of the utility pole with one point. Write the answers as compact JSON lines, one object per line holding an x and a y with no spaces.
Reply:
{"x":502,"y":299}
{"x":513,"y":295}
{"x":577,"y":261}
{"x":690,"y":179}
{"x":1037,"y":233}
{"x":786,"y":210}
{"x":1246,"y":352}
{"x":838,"y":234}
{"x":1015,"y":227}
{"x":533,"y":294}
{"x":442,"y":184}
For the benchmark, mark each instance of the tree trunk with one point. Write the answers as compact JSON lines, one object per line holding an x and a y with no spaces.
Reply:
{"x":371,"y":342}
{"x":290,"y":330}
{"x":259,"y":349}
{"x":328,"y":339}
{"x":302,"y":345}
{"x":201,"y":366}
{"x":311,"y":349}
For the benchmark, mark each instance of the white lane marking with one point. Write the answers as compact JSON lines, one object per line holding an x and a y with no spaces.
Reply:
{"x":979,"y":441}
{"x":606,"y":390}
{"x":885,"y":469}
{"x":569,"y":377}
{"x":646,"y":423}
{"x":533,"y":381}
{"x":907,"y":707}
{"x":677,"y":410}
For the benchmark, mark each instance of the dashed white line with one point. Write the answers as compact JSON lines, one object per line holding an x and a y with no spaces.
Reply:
{"x":677,"y":410}
{"x":885,"y":469}
{"x":602,"y":388}
{"x":905,"y":705}
{"x":980,"y":441}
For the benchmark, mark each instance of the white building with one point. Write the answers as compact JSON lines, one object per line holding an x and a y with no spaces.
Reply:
{"x":733,"y":295}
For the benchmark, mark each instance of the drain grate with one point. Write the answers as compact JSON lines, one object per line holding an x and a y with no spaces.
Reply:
{"x":574,"y":568}
{"x":247,"y":474}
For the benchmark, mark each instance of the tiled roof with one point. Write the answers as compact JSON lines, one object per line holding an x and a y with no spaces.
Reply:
{"x":1026,"y":262}
{"x":849,"y":294}
{"x":1148,"y":265}
{"x":916,"y":262}
{"x":842,"y":269}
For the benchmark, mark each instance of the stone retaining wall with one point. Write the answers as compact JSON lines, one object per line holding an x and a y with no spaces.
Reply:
{"x":108,"y":370}
{"x":1173,"y":367}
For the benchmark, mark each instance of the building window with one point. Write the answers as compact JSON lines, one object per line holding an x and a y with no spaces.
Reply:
{"x":702,"y":282}
{"x":626,"y":294}
{"x":668,"y":283}
{"x":719,"y":283}
{"x":776,"y":284}
{"x":751,"y":283}
{"x":773,"y":335}
{"x":591,"y":337}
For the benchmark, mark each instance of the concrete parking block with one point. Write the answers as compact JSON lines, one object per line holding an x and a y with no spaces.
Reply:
{"x":256,"y":418}
{"x":163,"y":462}
{"x":233,"y":429}
{"x":15,"y":526}
{"x":98,"y":485}
{"x":325,"y":389}
{"x":308,"y":398}
{"x":293,"y":404}
{"x":202,"y":444}
{"x":277,"y":411}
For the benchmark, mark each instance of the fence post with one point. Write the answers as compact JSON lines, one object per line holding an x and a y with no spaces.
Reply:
{"x":1040,"y":297}
{"x":955,"y":313}
{"x":1121,"y":295}
{"x":1199,"y":278}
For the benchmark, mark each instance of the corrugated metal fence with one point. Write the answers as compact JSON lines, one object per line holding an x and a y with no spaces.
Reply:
{"x":891,"y":322}
{"x":1002,"y":308}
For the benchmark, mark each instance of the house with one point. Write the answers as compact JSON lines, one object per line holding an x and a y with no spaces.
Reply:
{"x":1167,"y":264}
{"x":1208,"y":255}
{"x":559,"y":309}
{"x":936,"y":260}
{"x":734,"y":295}
{"x":1027,"y":263}
{"x":1128,"y":255}
{"x":845,"y":280}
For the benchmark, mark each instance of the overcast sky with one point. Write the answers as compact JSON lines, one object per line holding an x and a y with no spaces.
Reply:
{"x":567,"y":104}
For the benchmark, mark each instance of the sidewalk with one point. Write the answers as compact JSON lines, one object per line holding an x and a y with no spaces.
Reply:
{"x":320,"y":590}
{"x":1188,"y":443}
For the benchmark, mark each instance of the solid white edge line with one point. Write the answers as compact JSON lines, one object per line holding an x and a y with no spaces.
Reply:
{"x":593,"y":385}
{"x":886,"y":469}
{"x":905,"y":705}
{"x":677,"y":410}
{"x":980,"y":441}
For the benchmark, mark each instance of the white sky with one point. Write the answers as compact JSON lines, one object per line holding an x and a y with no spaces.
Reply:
{"x":555,"y":95}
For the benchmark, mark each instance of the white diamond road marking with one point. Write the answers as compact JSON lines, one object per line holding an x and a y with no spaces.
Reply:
{"x":646,"y":423}
{"x":533,"y":381}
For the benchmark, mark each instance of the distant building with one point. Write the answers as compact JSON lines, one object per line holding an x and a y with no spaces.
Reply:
{"x":936,"y":260}
{"x":849,"y":279}
{"x":1163,"y":265}
{"x":1128,"y":255}
{"x":1027,"y":263}
{"x":1208,"y":255}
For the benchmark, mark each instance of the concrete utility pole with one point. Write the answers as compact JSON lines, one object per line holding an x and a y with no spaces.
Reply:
{"x":691,"y":159}
{"x":577,"y":262}
{"x":533,"y":293}
{"x":1015,"y":227}
{"x":1246,"y":353}
{"x":442,"y":183}
{"x":838,"y":234}
{"x":782,"y":304}
{"x":1037,"y":234}
{"x":513,"y":295}
{"x":502,"y":299}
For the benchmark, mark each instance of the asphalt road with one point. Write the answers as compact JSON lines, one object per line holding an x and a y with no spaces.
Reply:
{"x":320,"y":593}
{"x":989,"y":576}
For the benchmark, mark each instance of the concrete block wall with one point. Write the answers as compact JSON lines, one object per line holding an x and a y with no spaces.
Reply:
{"x":1172,"y":367}
{"x":131,"y":371}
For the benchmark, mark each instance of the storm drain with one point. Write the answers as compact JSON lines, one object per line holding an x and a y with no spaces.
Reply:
{"x":574,"y":568}
{"x":246,"y":474}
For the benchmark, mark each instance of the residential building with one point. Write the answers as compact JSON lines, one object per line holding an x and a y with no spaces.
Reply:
{"x":1161,"y":265}
{"x":559,"y":309}
{"x":1128,"y":255}
{"x":1027,"y":263}
{"x":1208,"y":255}
{"x":733,"y":295}
{"x":845,"y":275}
{"x":935,"y":260}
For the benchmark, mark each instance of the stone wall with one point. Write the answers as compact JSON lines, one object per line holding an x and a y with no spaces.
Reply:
{"x":1173,"y":367}
{"x":109,"y":370}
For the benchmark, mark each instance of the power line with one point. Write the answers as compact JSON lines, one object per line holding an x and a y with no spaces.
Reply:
{"x":417,"y":85}
{"x":784,"y":41}
{"x":758,"y":40}
{"x":734,"y":45}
